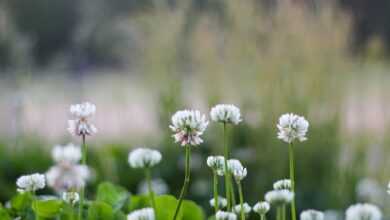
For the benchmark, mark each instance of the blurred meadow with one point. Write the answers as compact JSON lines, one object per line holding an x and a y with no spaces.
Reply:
{"x":139,"y":62}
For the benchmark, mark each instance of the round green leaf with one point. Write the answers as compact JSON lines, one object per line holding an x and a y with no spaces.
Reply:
{"x":100,"y":211}
{"x":47,"y":208}
{"x":113,"y":195}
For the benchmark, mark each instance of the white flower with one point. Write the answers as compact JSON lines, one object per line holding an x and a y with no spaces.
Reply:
{"x":66,"y":154}
{"x":31,"y":183}
{"x":311,"y":214}
{"x":235,"y":167}
{"x":363,"y":211}
{"x":226,"y":114}
{"x":188,"y":126}
{"x":217,"y":163}
{"x":282,"y":184}
{"x":80,"y":125}
{"x":247,"y":208}
{"x":142,"y":214}
{"x":158,"y":185}
{"x":71,"y":197}
{"x":144,"y":157}
{"x":388,"y":188}
{"x":279,"y":197}
{"x":221,"y":215}
{"x":222,"y":202}
{"x":261,"y":208}
{"x":63,"y":178}
{"x":292,"y":127}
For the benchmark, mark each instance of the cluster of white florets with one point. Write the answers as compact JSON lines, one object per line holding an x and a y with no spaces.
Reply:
{"x":363,"y":211}
{"x":237,"y":169}
{"x":279,"y":197}
{"x":312,"y":214}
{"x":292,"y":127}
{"x":222,"y":202}
{"x":144,"y":157}
{"x":261,"y":208}
{"x":221,"y":215}
{"x":69,"y":154}
{"x":31,"y":183}
{"x":142,"y":214}
{"x":81,"y":124}
{"x":246,"y":207}
{"x":217,"y":164}
{"x":282,"y":184}
{"x":71,"y":197}
{"x":226,"y":114}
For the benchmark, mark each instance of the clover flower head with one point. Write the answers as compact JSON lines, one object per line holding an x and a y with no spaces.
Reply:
{"x":261,"y":208}
{"x":144,"y":157}
{"x":279,"y":197}
{"x":81,"y":125}
{"x":159,"y":187}
{"x":226,"y":114}
{"x":312,"y":214}
{"x":247,"y":208}
{"x":217,"y":163}
{"x":222,"y":202}
{"x":363,"y":211}
{"x":142,"y":214}
{"x":70,"y":197}
{"x":188,"y":127}
{"x":282,"y":184}
{"x":67,"y":177}
{"x":292,"y":127}
{"x":221,"y":215}
{"x":388,"y":188}
{"x":235,"y":167}
{"x":66,"y":154}
{"x":31,"y":183}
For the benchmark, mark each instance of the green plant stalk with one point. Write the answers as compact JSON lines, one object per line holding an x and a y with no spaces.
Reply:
{"x":232,"y":192}
{"x":262,"y":217}
{"x":292,"y":178}
{"x":186,"y":180}
{"x":215,"y":186}
{"x":150,"y":188}
{"x":278,"y":213}
{"x":82,"y":191}
{"x":241,"y":200}
{"x":227,"y":173}
{"x":283,"y":212}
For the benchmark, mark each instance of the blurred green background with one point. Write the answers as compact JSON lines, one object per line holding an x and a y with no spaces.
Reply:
{"x":140,"y":61}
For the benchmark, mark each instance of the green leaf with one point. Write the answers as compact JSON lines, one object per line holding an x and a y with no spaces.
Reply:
{"x":113,"y":195}
{"x":191,"y":211}
{"x":68,"y":212}
{"x":47,"y":208}
{"x":166,"y":206}
{"x":4,"y":214}
{"x":138,"y":202}
{"x":100,"y":211}
{"x":21,"y":201}
{"x":120,"y":216}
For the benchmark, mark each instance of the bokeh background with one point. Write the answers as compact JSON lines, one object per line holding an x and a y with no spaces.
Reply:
{"x":140,"y":61}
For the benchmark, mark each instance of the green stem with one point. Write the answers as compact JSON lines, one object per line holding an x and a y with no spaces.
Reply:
{"x":278,"y":213}
{"x":262,"y":217}
{"x":227,"y":173}
{"x":241,"y":200}
{"x":232,"y":192}
{"x":150,"y":188}
{"x":186,"y":180}
{"x":82,"y":192}
{"x":216,"y":204}
{"x":292,"y":178}
{"x":283,"y":212}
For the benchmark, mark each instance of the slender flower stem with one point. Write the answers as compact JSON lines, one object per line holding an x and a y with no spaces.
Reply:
{"x":232,"y":191}
{"x":292,"y":178}
{"x":262,"y":217}
{"x":227,"y":173}
{"x":241,"y":200}
{"x":82,"y":192}
{"x":283,"y":212}
{"x":216,"y":204}
{"x":186,"y":180}
{"x":150,"y":188}
{"x":278,"y":213}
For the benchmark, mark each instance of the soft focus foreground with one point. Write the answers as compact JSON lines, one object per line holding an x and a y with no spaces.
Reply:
{"x":267,"y":62}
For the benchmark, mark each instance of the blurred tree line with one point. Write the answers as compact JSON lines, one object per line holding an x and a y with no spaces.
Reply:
{"x":86,"y":33}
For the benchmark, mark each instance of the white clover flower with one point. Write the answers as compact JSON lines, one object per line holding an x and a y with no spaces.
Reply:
{"x":188,"y":126}
{"x":217,"y":163}
{"x":144,"y":157}
{"x":226,"y":114}
{"x":159,"y":187}
{"x":221,"y":215}
{"x":142,"y":214}
{"x":70,"y":197}
{"x":235,"y":167}
{"x":388,"y":188}
{"x":282,"y":184}
{"x":222,"y":202}
{"x":279,"y":197}
{"x":292,"y":127}
{"x":311,"y":214}
{"x":80,"y":125}
{"x":247,"y":208}
{"x":63,"y":178}
{"x":261,"y":208}
{"x":66,"y":154}
{"x":31,"y":183}
{"x":363,"y":211}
